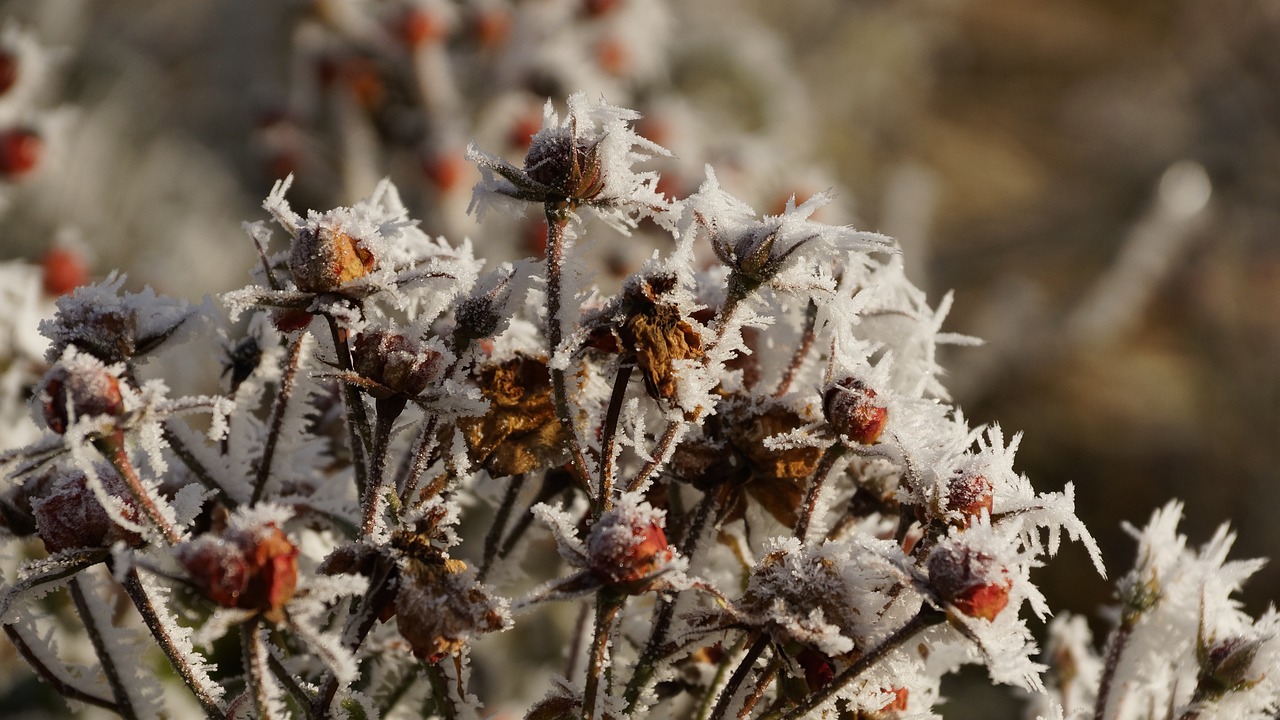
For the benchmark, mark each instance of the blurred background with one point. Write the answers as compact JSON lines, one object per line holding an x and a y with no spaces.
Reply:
{"x":1096,"y":181}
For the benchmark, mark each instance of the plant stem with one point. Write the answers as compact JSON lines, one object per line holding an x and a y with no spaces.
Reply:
{"x":422,"y":450}
{"x":829,"y":458}
{"x":60,"y":685}
{"x":605,"y":499}
{"x":557,"y":220}
{"x":357,"y":415}
{"x":802,"y":351}
{"x":290,"y":684}
{"x":739,"y":675}
{"x":197,"y":468}
{"x":440,"y":691}
{"x":251,"y":652}
{"x":607,"y":606}
{"x":112,"y":447}
{"x":766,"y":679}
{"x":124,"y":706}
{"x":277,"y":420}
{"x":359,"y":623}
{"x":498,"y":524}
{"x":134,"y":588}
{"x":927,"y":617}
{"x":372,"y":501}
{"x":1115,"y":649}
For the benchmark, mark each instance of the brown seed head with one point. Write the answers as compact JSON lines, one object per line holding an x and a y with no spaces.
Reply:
{"x":394,"y":362}
{"x":569,"y":166}
{"x":324,"y":259}
{"x":520,"y":432}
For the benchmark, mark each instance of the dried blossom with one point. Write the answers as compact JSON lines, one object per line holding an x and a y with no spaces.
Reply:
{"x":79,"y":386}
{"x":252,"y":568}
{"x":69,"y":515}
{"x":520,"y":432}
{"x":440,"y":608}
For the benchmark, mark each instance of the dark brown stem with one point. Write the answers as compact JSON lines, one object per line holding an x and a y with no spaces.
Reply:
{"x":134,"y":588}
{"x":607,"y":607}
{"x":766,"y":679}
{"x":927,"y":617}
{"x":557,"y":219}
{"x":802,"y":351}
{"x":1115,"y":649}
{"x":60,"y":685}
{"x":818,"y":479}
{"x":277,"y":420}
{"x":124,"y":706}
{"x":440,"y":691}
{"x":661,"y":450}
{"x":498,"y":524}
{"x":422,"y":450}
{"x":605,"y":499}
{"x":382,"y":426}
{"x":113,"y":449}
{"x":357,"y":415}
{"x":739,"y":675}
{"x":359,"y":623}
{"x":290,"y":684}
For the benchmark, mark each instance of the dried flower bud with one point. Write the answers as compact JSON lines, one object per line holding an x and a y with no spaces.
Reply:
{"x":659,"y":336}
{"x":1227,"y":666}
{"x":973,"y":582}
{"x":249,"y":569}
{"x":627,"y":549}
{"x":440,"y":607}
{"x":20,"y":151}
{"x":520,"y":432}
{"x":324,"y":259}
{"x":851,"y":409}
{"x":396,"y":363}
{"x":567,"y":165}
{"x":85,"y":388}
{"x":969,"y":495}
{"x":478,"y":317}
{"x":69,"y":514}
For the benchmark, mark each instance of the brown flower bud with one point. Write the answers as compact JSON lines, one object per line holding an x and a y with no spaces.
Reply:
{"x":973,"y":582}
{"x":851,"y":409}
{"x":85,"y":389}
{"x":520,"y":432}
{"x":627,"y":550}
{"x":69,"y":514}
{"x":394,"y":362}
{"x":20,"y":151}
{"x":569,"y":166}
{"x":324,"y":259}
{"x":249,"y":569}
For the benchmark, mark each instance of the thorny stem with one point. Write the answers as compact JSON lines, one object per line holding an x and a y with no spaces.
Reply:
{"x":766,"y":679}
{"x":557,"y":219}
{"x":605,"y":500}
{"x":607,"y":606}
{"x":112,"y":447}
{"x":927,"y":617}
{"x":372,"y":502}
{"x":56,"y":681}
{"x":138,"y":594}
{"x":277,"y":420}
{"x":802,"y":351}
{"x":197,"y":468}
{"x":255,"y":673}
{"x":124,"y":706}
{"x":739,"y":675}
{"x":357,"y":416}
{"x":819,"y":478}
{"x":665,"y":610}
{"x":498,"y":524}
{"x":1115,"y":649}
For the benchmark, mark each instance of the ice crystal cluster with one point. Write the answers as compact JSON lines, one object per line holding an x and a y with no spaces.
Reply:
{"x":728,"y":484}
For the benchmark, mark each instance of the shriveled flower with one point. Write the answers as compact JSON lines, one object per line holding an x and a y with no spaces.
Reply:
{"x":440,"y":608}
{"x":326,"y":257}
{"x":392,"y":365}
{"x":79,"y":386}
{"x":251,"y":568}
{"x":584,"y":160}
{"x":659,"y":336}
{"x":520,"y":432}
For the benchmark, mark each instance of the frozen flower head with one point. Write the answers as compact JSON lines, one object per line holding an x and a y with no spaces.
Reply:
{"x":68,"y":514}
{"x":79,"y":386}
{"x":627,"y":547}
{"x":853,"y":411}
{"x":248,"y":565}
{"x":324,"y":257}
{"x":757,"y":251}
{"x":392,"y":366}
{"x":440,"y":608}
{"x":973,"y":580}
{"x":520,"y":432}
{"x":584,"y":160}
{"x":111,"y":325}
